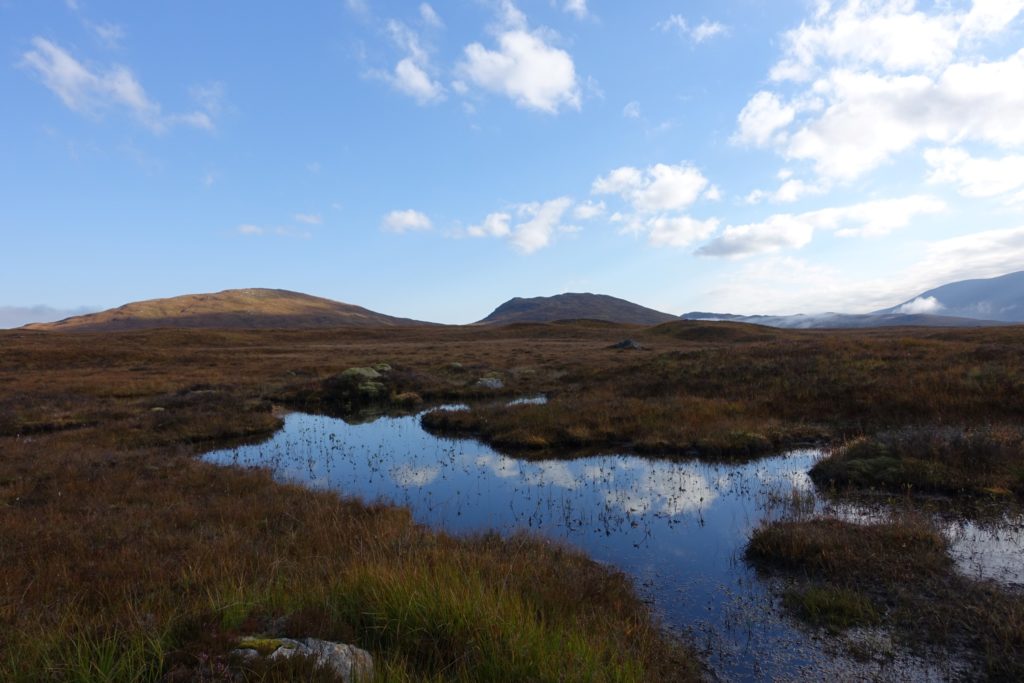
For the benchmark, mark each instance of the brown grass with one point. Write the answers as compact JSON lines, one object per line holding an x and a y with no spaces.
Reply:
{"x":117,"y":545}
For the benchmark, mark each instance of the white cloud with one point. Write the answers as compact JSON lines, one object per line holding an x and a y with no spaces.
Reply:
{"x":761,"y":118}
{"x":661,"y":187}
{"x":631,"y":110}
{"x":588,"y":210}
{"x":494,"y":225}
{"x":109,"y":34}
{"x":88,"y":92}
{"x":976,"y":177}
{"x":410,"y":75}
{"x":543,"y":220}
{"x":882,"y":76}
{"x":713,"y":194}
{"x":698,"y":34}
{"x":921,"y":305}
{"x":679,"y":231}
{"x":576,"y":7}
{"x":794,"y":231}
{"x":707,"y":29}
{"x":781,"y":231}
{"x":248,"y":229}
{"x":429,"y":16}
{"x":524,"y":67}
{"x":309,"y":218}
{"x":406,"y":221}
{"x":538,"y":223}
{"x":358,"y":6}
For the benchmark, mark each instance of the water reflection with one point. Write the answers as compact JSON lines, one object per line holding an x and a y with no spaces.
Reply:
{"x":678,"y":528}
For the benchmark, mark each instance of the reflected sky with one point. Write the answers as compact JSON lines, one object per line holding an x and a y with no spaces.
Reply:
{"x":677,"y":527}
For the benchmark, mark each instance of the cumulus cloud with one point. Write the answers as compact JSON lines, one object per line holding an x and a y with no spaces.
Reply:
{"x":407,"y":220}
{"x":679,"y":231}
{"x":705,"y":30}
{"x":588,"y":210}
{"x":543,"y":219}
{"x":86,"y":91}
{"x":974,"y":176}
{"x":794,"y":231}
{"x":411,"y":75}
{"x":875,"y":79}
{"x":661,"y":187}
{"x":921,"y":305}
{"x":631,"y":110}
{"x":537,"y":225}
{"x":524,"y":66}
{"x":762,"y":117}
{"x":494,"y":225}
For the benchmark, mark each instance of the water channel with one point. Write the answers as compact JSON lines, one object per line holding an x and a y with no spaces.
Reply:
{"x":678,"y":528}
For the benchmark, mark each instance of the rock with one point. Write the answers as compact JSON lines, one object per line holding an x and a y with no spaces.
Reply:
{"x":382,"y":367}
{"x":359,"y":374}
{"x":490,"y":383}
{"x":347,"y":661}
{"x":627,"y":345}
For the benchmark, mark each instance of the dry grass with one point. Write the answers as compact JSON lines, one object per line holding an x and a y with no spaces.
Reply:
{"x":118,"y":548}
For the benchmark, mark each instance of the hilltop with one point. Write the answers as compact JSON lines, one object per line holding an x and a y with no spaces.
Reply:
{"x":575,"y":307}
{"x":230,"y":309}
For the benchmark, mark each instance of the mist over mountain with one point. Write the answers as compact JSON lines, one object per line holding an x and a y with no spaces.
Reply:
{"x":998,"y":298}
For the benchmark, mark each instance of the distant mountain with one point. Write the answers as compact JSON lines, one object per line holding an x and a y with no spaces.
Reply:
{"x":575,"y":307}
{"x":230,"y":309}
{"x":843,"y":320}
{"x":998,"y":298}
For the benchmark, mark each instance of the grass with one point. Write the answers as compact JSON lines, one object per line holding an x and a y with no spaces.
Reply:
{"x":897,"y":574}
{"x":952,"y":460}
{"x":118,"y":547}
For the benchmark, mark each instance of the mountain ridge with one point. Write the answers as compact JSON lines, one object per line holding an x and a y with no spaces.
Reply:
{"x":251,"y":308}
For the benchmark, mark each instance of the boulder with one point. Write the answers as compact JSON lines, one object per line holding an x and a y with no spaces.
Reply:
{"x":347,"y":661}
{"x":627,"y":345}
{"x":490,"y":383}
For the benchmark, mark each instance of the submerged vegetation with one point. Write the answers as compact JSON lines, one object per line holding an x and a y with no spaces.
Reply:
{"x":124,"y":558}
{"x":898,"y":574}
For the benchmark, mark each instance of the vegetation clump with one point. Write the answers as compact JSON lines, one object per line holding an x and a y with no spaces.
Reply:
{"x":951,"y":460}
{"x":897,"y":574}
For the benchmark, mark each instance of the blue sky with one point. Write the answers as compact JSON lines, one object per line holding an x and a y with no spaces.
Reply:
{"x":433,"y":160}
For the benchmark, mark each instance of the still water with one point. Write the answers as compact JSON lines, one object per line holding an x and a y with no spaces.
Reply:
{"x":678,"y":528}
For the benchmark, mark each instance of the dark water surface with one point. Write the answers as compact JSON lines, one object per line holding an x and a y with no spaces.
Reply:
{"x":677,"y":527}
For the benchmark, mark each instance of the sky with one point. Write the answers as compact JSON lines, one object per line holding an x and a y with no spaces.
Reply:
{"x":432,"y":160}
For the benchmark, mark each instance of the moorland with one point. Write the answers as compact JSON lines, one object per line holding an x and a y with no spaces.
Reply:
{"x":124,"y":557}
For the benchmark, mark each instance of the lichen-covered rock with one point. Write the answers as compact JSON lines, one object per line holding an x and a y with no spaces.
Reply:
{"x":382,"y":367}
{"x":347,"y":661}
{"x":359,"y":374}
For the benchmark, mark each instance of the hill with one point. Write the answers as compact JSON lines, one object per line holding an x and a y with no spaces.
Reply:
{"x":230,"y":309}
{"x":575,"y":307}
{"x":998,"y":298}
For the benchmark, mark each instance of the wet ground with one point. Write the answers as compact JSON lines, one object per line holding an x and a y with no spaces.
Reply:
{"x":677,"y":527}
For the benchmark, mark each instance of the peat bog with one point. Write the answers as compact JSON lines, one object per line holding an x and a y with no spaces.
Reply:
{"x":120,"y":546}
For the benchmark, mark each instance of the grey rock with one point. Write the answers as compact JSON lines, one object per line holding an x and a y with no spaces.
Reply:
{"x":490,"y":383}
{"x":348,"y":661}
{"x":627,"y":345}
{"x":245,"y":653}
